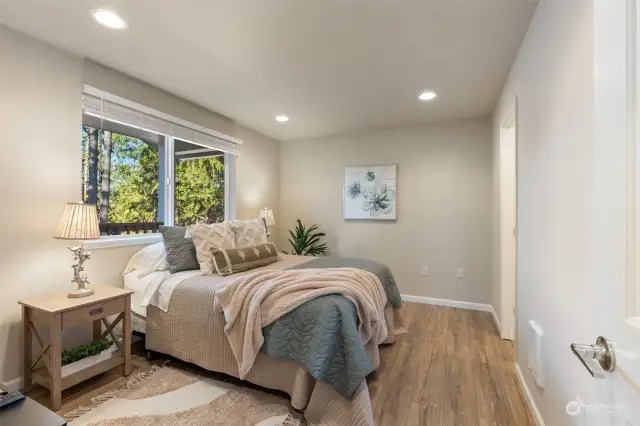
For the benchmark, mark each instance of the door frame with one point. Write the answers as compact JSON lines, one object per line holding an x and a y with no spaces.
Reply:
{"x":508,"y":226}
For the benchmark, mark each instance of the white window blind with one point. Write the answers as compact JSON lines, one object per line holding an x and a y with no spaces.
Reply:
{"x":106,"y":109}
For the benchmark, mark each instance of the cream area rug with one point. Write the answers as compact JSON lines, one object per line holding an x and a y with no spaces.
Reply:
{"x":169,"y":396}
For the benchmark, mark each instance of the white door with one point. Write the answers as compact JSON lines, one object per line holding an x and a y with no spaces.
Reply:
{"x":614,"y":238}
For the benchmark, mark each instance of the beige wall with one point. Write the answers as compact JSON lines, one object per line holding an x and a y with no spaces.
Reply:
{"x":444,"y":203}
{"x":40,"y":115}
{"x":257,"y":173}
{"x":553,"y":80}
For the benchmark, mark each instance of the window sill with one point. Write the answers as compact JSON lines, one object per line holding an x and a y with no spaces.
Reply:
{"x":634,"y":322}
{"x":122,"y":241}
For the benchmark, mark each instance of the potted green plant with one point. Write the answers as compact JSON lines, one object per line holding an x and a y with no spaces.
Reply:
{"x":84,"y":356}
{"x":306,"y":241}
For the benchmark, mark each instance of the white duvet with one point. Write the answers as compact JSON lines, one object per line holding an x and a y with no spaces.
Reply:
{"x":154,"y":289}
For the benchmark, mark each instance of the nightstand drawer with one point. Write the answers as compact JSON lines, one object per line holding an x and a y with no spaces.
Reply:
{"x":93,"y":312}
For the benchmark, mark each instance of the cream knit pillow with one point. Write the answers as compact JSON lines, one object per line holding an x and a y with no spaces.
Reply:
{"x":207,"y":237}
{"x":250,"y":232}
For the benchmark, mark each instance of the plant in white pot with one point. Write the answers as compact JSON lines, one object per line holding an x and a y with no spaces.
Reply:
{"x":84,"y":356}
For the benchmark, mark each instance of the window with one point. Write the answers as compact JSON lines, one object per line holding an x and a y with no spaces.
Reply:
{"x":144,"y":170}
{"x":199,"y":186}
{"x":120,"y":174}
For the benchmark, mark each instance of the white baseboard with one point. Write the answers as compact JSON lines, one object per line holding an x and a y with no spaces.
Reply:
{"x":530,"y":401}
{"x":447,"y":302}
{"x":496,"y":321}
{"x":12,"y":385}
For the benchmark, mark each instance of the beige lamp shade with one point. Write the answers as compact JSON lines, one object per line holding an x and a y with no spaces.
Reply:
{"x":267,"y":215}
{"x":78,"y":222}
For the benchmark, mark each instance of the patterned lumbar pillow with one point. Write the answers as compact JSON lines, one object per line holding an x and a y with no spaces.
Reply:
{"x":207,"y":237}
{"x":249,"y":232}
{"x":181,"y":253}
{"x":230,"y":261}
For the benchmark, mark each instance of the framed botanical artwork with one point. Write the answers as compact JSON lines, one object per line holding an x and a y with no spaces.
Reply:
{"x":370,"y":192}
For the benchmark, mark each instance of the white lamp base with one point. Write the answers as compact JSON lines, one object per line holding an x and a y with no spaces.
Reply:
{"x":81,"y":292}
{"x":81,"y":281}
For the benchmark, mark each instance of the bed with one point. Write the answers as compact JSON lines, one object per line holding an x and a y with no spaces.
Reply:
{"x":175,"y":312}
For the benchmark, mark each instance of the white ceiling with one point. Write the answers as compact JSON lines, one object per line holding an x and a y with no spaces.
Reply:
{"x":332,"y":66}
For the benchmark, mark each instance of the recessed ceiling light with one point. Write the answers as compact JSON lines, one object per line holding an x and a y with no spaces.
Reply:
{"x":108,"y":19}
{"x":282,"y":118}
{"x":427,"y":96}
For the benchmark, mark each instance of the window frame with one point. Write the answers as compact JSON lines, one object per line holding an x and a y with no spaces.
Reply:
{"x":109,"y":241}
{"x":633,"y":137}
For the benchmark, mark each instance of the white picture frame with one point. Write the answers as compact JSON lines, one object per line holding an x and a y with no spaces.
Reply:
{"x":370,"y":193}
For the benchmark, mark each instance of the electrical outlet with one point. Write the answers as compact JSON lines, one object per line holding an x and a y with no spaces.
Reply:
{"x":425,"y":271}
{"x":460,"y":273}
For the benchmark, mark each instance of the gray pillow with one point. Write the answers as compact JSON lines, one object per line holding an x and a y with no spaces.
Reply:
{"x":181,"y":253}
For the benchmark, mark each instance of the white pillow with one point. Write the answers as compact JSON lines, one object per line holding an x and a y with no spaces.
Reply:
{"x":151,"y":258}
{"x":249,"y":232}
{"x":187,"y":233}
{"x":207,"y":237}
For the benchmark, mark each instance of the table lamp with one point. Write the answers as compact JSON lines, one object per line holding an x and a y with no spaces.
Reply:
{"x":79,"y":222}
{"x":266,"y":215}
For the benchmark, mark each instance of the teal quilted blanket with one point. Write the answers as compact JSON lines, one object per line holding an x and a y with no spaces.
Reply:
{"x":322,"y":334}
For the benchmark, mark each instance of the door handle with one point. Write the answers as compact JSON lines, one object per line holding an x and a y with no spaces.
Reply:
{"x":596,"y":358}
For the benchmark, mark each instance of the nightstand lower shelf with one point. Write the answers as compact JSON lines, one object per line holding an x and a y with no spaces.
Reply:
{"x":43,"y":378}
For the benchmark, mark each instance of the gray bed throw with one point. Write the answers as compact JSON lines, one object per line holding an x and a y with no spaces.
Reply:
{"x":322,"y":334}
{"x":378,"y":269}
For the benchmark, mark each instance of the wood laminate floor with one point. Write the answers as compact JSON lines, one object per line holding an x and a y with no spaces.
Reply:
{"x":451,"y":369}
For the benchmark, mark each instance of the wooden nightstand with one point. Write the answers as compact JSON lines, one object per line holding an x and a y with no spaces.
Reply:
{"x":57,"y":311}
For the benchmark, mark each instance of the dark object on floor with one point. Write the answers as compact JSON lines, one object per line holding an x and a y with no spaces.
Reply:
{"x":29,"y":412}
{"x":137,"y":343}
{"x":138,"y":346}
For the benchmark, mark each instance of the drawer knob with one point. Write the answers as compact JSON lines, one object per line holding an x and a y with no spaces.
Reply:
{"x":96,"y":311}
